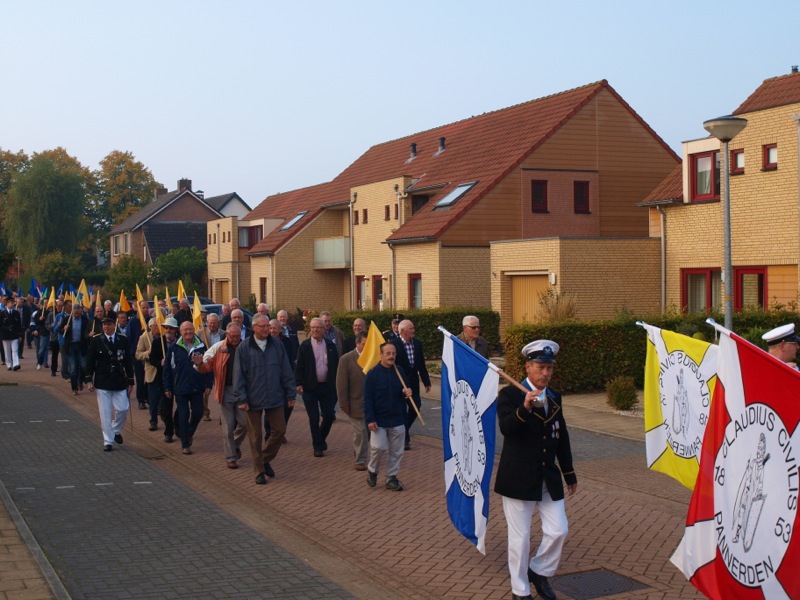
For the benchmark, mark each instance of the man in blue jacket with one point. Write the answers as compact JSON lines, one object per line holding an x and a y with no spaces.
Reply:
{"x":183,"y":381}
{"x":385,"y":399}
{"x":263,"y":383}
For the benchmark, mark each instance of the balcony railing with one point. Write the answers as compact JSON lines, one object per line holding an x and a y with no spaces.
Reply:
{"x":332,"y":253}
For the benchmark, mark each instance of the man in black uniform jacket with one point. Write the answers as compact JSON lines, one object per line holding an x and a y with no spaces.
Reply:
{"x":535,"y":435}
{"x":109,"y":368}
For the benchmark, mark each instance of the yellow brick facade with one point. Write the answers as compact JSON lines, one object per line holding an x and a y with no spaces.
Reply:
{"x":422,"y":259}
{"x":604,"y":275}
{"x":764,"y":212}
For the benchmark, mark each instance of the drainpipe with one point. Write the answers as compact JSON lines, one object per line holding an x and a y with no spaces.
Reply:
{"x":352,"y":256}
{"x":272,"y":280}
{"x":394,"y":279}
{"x":663,"y":217}
{"x":797,"y":122}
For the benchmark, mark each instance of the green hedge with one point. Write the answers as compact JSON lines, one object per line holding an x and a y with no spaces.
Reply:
{"x":426,"y":322}
{"x":594,"y":352}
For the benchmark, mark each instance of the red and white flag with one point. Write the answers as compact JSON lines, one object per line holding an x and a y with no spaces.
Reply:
{"x":739,"y":540}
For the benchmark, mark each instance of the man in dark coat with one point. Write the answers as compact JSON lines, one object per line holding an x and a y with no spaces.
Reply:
{"x":315,"y":374}
{"x":76,"y":333}
{"x":535,"y":437}
{"x":411,"y":358}
{"x":109,"y":370}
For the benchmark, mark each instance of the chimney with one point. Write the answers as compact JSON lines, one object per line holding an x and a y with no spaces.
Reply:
{"x":441,"y":145}
{"x":200,"y":193}
{"x":794,"y":68}
{"x":184,"y":184}
{"x":413,"y":151}
{"x":160,"y":191}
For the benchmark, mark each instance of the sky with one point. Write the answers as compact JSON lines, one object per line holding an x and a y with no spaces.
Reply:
{"x":260,"y":97}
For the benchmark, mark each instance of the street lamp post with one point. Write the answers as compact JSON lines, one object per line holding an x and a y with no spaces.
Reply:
{"x":725,"y":129}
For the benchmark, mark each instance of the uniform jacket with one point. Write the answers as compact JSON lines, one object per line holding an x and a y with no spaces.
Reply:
{"x":109,"y":365}
{"x":262,"y":378}
{"x":11,"y":324}
{"x":215,"y":360}
{"x":532,"y":442}
{"x":419,"y":367}
{"x":180,"y":376}
{"x":350,"y":385}
{"x":481,"y":345}
{"x":305,"y":372}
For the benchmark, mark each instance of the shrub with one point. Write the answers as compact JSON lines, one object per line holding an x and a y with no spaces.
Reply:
{"x":621,"y":392}
{"x":556,"y":307}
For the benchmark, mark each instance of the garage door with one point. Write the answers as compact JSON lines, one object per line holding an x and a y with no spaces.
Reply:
{"x":525,"y":291}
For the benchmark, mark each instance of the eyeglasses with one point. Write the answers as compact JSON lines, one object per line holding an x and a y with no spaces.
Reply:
{"x":474,"y":326}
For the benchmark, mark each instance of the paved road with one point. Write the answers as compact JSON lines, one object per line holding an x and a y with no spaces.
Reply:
{"x":115,"y":526}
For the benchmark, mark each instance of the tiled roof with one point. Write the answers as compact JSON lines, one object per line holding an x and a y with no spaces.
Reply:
{"x":149,"y":210}
{"x":669,"y":190}
{"x":777,"y":91}
{"x":164,"y":236}
{"x":219,"y":202}
{"x":484,"y":149}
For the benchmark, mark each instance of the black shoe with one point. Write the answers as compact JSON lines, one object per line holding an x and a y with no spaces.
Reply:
{"x":153,"y":427}
{"x":319,"y":453}
{"x":17,"y":367}
{"x":394,"y":485}
{"x":108,"y":448}
{"x":261,"y":479}
{"x":268,"y":470}
{"x":118,"y":438}
{"x":324,"y":446}
{"x":142,"y":406}
{"x":515,"y":597}
{"x":372,"y":479}
{"x":542,"y":585}
{"x":52,"y":374}
{"x":408,"y":446}
{"x":168,"y":439}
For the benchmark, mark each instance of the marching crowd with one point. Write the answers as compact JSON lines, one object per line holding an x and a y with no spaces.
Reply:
{"x":255,"y":368}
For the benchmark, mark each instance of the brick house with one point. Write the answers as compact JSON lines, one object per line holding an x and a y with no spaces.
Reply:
{"x":413,"y":219}
{"x":171,"y":220}
{"x":764,"y":209}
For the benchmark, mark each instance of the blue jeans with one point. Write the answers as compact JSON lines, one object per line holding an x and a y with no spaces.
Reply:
{"x":316,"y":402}
{"x":190,"y":411}
{"x":77,"y":365}
{"x":155,"y":391}
{"x":42,"y":343}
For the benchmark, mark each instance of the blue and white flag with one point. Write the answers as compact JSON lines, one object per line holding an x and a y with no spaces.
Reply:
{"x":34,"y":290}
{"x":469,"y":414}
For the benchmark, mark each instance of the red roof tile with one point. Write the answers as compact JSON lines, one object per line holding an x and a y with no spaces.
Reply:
{"x":777,"y":91}
{"x":670,"y":189}
{"x":484,"y":148}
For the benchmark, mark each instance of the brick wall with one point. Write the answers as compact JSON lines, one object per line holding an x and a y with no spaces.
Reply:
{"x":425,"y":260}
{"x":465,"y":277}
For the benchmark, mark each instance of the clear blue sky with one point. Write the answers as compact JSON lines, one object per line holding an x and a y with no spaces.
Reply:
{"x":263,"y":97}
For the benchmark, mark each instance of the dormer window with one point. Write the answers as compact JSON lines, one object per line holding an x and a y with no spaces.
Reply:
{"x":294,"y":220}
{"x":455,"y":194}
{"x":705,"y":176}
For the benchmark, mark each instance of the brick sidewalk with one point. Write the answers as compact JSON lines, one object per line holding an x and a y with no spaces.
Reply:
{"x":403,"y":544}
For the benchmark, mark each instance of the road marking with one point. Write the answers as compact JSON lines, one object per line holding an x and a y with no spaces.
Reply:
{"x":62,"y":420}
{"x":109,"y":483}
{"x":9,"y":422}
{"x":64,"y":487}
{"x":35,"y":421}
{"x":142,"y":483}
{"x":25,"y":488}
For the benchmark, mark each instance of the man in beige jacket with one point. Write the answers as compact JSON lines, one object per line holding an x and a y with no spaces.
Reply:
{"x":350,"y":390}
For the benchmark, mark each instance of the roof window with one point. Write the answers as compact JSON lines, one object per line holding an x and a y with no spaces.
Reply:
{"x":455,"y":194}
{"x":294,"y":220}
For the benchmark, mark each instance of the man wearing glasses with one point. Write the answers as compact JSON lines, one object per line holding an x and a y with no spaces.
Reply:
{"x":782,"y":344}
{"x":471,"y":335}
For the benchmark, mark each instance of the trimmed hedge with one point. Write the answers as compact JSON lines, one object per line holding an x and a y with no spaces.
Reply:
{"x":426,"y":321}
{"x":592,"y":353}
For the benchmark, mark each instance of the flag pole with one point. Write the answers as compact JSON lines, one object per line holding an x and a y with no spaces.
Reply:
{"x":489,"y":363}
{"x":410,"y":398}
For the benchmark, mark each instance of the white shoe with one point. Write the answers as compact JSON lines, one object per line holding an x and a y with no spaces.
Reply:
{"x":38,"y":367}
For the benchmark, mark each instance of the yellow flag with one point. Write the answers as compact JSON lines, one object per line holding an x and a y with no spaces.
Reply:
{"x":197,"y":313}
{"x":124,"y":305}
{"x":158,"y":314}
{"x":51,"y":301}
{"x":167,"y":298}
{"x":83,"y":294}
{"x":371,"y":355}
{"x":139,"y":312}
{"x":99,"y":300}
{"x":181,"y":291}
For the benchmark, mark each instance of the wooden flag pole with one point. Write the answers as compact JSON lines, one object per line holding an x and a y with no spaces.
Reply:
{"x":411,"y":398}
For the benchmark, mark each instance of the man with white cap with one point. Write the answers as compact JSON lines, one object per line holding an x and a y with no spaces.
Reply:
{"x":535,"y":437}
{"x":782,"y":344}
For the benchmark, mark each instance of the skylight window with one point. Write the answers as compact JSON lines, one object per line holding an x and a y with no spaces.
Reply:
{"x":294,"y":220}
{"x":454,"y":195}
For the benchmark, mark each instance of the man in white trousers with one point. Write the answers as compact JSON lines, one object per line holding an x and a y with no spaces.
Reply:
{"x":109,"y":369}
{"x":535,"y":437}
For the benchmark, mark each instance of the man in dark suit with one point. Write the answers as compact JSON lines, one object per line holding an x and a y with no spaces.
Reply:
{"x":109,"y":369}
{"x":290,"y":333}
{"x":535,"y":436}
{"x":315,"y":374}
{"x":471,"y":335}
{"x":411,"y":358}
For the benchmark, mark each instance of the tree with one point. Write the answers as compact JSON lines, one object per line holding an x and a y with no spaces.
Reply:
{"x":181,"y":263}
{"x":125,"y":275}
{"x":44,"y":210}
{"x":11,"y":165}
{"x":55,"y":267}
{"x":124,"y":185}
